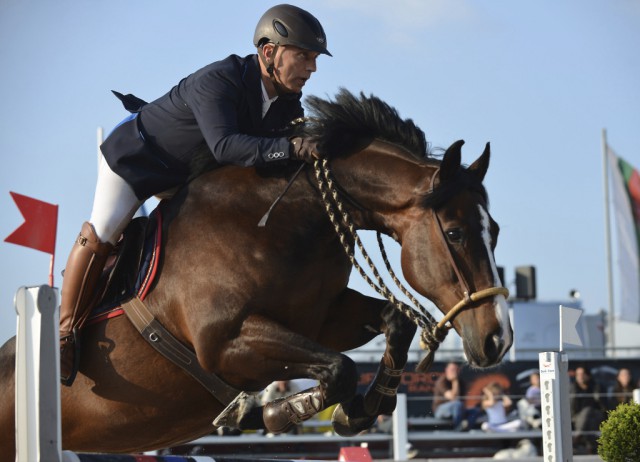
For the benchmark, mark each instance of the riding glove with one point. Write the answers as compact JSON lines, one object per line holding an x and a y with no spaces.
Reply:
{"x":304,"y":149}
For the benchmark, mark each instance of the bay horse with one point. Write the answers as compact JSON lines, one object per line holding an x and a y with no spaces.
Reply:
{"x":263,"y":303}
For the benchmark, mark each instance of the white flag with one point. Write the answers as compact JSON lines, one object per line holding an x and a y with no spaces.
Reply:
{"x":569,"y":326}
{"x":627,"y":256}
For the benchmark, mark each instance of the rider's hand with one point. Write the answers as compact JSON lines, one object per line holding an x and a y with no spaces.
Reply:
{"x":304,"y":149}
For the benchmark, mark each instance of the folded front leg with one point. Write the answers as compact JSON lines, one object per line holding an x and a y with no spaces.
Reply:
{"x":265,"y":351}
{"x":380,"y":398}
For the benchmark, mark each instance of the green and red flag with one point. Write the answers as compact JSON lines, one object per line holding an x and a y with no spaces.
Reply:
{"x":631,"y":179}
{"x":626,"y":202}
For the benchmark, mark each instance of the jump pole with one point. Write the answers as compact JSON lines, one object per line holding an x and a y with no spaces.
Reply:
{"x":400,"y":436}
{"x":556,"y":419}
{"x":554,"y":390}
{"x":37,"y":375}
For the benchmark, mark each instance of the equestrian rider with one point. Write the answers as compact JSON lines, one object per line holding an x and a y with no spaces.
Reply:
{"x":226,"y":112}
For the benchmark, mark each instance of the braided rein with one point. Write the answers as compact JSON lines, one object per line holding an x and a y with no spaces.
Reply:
{"x":433,"y":332}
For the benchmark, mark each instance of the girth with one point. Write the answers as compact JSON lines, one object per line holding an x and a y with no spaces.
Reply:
{"x":168,"y":346}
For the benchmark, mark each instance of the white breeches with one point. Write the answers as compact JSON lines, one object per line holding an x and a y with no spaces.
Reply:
{"x":114,"y":204}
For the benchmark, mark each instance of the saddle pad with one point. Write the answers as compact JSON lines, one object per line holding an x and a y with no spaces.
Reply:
{"x":146,"y":275}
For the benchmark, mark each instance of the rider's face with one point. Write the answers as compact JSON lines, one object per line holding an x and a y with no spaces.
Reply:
{"x":292,"y":66}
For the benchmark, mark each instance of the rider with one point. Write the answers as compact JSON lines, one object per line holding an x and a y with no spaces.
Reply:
{"x":228,"y":110}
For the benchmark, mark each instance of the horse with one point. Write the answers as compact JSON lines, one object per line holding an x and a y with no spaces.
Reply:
{"x":257,"y":304}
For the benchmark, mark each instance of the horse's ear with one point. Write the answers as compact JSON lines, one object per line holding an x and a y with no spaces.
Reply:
{"x":481,"y":165}
{"x":451,"y":161}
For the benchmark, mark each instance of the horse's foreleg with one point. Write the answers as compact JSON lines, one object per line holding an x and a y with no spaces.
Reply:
{"x":264,"y":349}
{"x":381,"y":395}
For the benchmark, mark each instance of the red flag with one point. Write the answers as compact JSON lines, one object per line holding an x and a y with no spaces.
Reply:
{"x":40,"y":224}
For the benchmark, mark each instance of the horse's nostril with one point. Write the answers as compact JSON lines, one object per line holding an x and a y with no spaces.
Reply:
{"x":498,"y":342}
{"x":493,"y":346}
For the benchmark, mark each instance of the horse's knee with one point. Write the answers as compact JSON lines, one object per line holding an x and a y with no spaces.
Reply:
{"x":342,"y":381}
{"x":396,"y":323}
{"x":399,"y":331}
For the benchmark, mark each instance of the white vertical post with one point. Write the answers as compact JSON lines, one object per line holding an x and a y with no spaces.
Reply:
{"x":556,"y":418}
{"x":400,"y":437}
{"x":636,"y":396}
{"x":37,"y":375}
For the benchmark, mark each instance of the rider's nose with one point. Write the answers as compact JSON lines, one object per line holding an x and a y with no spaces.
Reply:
{"x":311,"y":65}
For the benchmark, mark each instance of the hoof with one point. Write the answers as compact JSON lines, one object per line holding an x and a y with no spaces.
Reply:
{"x":346,"y":422}
{"x":236,"y":411}
{"x":340,"y":422}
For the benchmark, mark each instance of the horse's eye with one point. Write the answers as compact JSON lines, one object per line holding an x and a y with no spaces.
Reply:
{"x":454,"y":235}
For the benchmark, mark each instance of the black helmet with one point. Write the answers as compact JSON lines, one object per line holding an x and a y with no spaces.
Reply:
{"x":290,"y":25}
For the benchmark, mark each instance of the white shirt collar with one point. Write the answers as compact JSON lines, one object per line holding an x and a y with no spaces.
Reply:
{"x":266,"y":102}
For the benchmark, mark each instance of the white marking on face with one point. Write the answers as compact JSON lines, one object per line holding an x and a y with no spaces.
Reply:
{"x":501,"y":307}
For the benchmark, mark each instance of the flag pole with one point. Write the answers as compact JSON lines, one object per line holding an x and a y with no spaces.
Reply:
{"x":51,"y":270}
{"x":607,"y":233}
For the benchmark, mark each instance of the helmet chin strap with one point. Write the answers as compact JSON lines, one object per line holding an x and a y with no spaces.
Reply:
{"x":280,"y":90}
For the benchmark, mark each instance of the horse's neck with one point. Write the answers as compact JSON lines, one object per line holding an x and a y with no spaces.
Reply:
{"x":384,"y":180}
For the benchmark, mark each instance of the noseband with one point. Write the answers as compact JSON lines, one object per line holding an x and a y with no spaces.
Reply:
{"x":433,"y":333}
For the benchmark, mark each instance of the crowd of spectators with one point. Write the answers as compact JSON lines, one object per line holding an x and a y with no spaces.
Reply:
{"x":500,"y":410}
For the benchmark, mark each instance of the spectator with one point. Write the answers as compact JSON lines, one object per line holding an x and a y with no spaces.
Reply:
{"x":447,"y":403}
{"x":496,"y":404}
{"x":587,"y":411}
{"x":529,"y":406}
{"x":622,"y":391}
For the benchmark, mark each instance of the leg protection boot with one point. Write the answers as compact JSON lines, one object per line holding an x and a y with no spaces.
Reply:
{"x":283,"y":414}
{"x":86,"y":262}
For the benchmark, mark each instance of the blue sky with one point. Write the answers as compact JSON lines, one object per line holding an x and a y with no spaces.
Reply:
{"x":539,"y":79}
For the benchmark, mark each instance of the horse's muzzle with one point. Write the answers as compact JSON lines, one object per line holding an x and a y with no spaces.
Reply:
{"x":487,"y":351}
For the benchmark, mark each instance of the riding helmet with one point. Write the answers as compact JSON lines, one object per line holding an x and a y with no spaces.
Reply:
{"x":290,"y":25}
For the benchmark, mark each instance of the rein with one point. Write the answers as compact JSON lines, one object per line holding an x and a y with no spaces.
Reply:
{"x":433,"y":333}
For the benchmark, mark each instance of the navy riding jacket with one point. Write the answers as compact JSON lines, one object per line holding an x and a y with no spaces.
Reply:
{"x":213,"y":114}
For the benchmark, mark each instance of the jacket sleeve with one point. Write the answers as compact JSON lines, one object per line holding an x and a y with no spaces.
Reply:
{"x":215,"y":99}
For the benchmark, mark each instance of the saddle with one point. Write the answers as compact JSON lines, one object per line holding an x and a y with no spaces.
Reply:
{"x":126,"y":267}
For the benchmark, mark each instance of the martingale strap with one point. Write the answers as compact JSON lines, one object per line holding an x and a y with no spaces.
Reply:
{"x":168,"y":346}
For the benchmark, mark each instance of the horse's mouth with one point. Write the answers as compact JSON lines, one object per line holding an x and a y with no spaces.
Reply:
{"x":486,"y":346}
{"x":487,"y":353}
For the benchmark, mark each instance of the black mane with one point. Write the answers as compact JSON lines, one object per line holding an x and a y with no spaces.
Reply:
{"x":347,"y":123}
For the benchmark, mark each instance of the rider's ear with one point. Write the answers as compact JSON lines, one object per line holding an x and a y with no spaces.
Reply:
{"x":267,"y":52}
{"x":451,"y":161}
{"x":481,"y":165}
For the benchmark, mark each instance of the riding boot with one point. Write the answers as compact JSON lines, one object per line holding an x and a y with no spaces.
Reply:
{"x":81,"y":275}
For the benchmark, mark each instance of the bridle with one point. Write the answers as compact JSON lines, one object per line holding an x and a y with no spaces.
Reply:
{"x":433,"y":332}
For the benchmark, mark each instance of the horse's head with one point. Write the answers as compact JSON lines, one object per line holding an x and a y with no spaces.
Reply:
{"x":447,"y":256}
{"x":437,"y":211}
